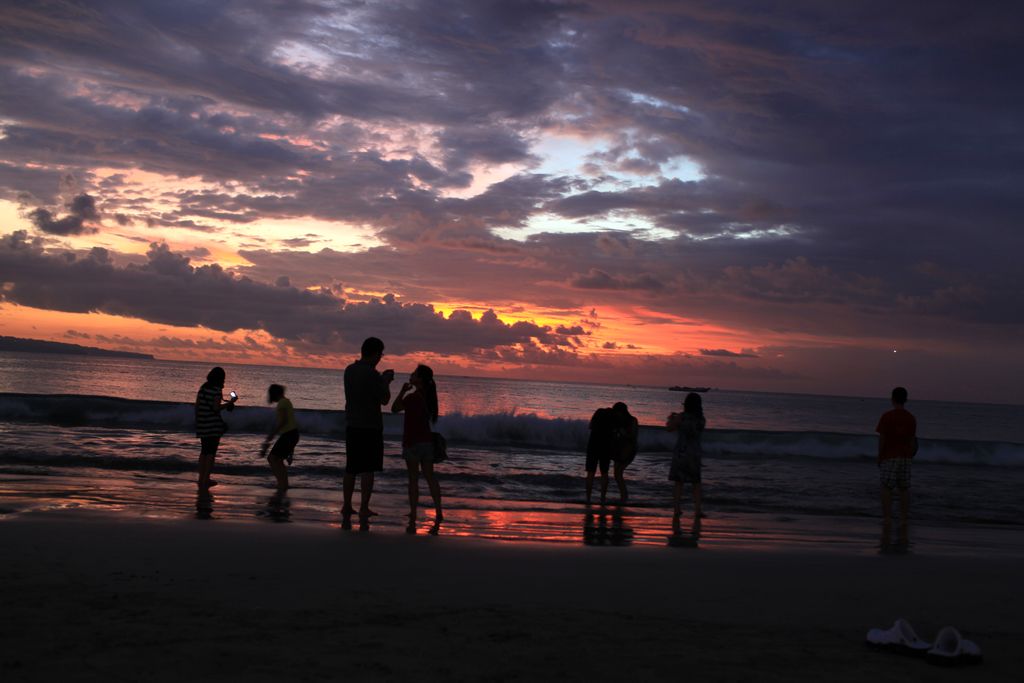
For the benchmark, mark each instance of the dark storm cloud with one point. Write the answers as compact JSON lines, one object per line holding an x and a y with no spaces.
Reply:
{"x":862,"y":162}
{"x":29,"y":185}
{"x":168,"y":289}
{"x":598,"y":279}
{"x":465,"y":144}
{"x":157,"y":137}
{"x":81,"y":209}
{"x":726,"y":353}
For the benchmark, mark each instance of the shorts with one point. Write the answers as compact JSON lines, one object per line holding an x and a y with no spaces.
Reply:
{"x":895,"y":473}
{"x":685,"y":468}
{"x":284,"y":447}
{"x":422,"y":452}
{"x":209,"y":445}
{"x":595,"y":459}
{"x":364,"y":450}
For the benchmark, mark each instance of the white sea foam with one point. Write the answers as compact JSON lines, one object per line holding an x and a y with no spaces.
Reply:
{"x":493,"y":431}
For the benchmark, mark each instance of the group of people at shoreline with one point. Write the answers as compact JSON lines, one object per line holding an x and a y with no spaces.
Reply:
{"x":366,"y":391}
{"x":612,"y":444}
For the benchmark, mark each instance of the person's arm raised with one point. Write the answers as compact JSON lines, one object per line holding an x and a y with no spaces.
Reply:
{"x":386,"y":378}
{"x":399,"y":404}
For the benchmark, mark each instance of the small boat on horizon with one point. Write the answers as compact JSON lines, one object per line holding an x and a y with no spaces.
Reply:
{"x":699,"y":390}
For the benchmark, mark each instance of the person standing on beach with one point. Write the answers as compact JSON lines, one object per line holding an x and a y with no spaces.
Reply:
{"x":686,"y":456}
{"x":418,"y":399}
{"x":286,"y":429}
{"x":600,"y":448}
{"x":627,"y":429}
{"x":897,"y":444}
{"x":366,"y":390}
{"x":210,"y":426}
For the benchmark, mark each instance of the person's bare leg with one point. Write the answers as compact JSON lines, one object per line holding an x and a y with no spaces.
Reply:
{"x":604,"y":485}
{"x":414,"y":490}
{"x":696,"y":505}
{"x":435,"y":491}
{"x":349,"y":488}
{"x":886,"y":515}
{"x":205,"y":468}
{"x":590,"y":485}
{"x":620,"y":481}
{"x":904,"y":516}
{"x":677,"y":509}
{"x":365,"y":493}
{"x":280,"y":472}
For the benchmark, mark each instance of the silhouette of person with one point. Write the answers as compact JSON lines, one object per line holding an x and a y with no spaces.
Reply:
{"x":418,"y":399}
{"x":897,"y":445}
{"x":210,"y":426}
{"x":627,"y":429}
{"x":366,"y":390}
{"x":686,"y":456}
{"x":286,"y":429}
{"x":600,"y":448}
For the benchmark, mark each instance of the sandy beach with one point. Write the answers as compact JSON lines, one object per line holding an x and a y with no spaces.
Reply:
{"x":102,"y":596}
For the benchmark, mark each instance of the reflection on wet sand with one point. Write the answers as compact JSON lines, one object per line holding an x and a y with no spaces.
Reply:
{"x":596,"y":530}
{"x":175,"y":496}
{"x":680,"y":538}
{"x":278,"y":508}
{"x":204,"y":504}
{"x":434,"y":530}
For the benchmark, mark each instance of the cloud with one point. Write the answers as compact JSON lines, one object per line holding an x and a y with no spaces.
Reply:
{"x":168,"y":289}
{"x":598,"y":279}
{"x":725,"y":353}
{"x":81,"y":209}
{"x":762,"y":173}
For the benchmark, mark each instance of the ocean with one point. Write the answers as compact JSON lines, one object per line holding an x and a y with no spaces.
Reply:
{"x":116,"y":434}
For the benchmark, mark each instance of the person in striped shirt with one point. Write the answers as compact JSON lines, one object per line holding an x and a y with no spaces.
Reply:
{"x":210,"y":426}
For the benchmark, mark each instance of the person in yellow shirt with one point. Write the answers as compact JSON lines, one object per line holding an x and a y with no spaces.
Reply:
{"x":286,"y":429}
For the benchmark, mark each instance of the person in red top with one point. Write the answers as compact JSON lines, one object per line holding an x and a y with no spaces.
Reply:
{"x":418,"y":399}
{"x":897,"y":444}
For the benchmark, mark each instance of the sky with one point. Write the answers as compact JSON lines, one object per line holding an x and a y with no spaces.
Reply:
{"x":781,"y":196}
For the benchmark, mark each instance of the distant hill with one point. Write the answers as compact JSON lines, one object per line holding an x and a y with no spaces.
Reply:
{"x":39,"y":346}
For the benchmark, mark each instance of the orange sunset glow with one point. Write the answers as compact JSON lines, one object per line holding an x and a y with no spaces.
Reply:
{"x":621,"y":228}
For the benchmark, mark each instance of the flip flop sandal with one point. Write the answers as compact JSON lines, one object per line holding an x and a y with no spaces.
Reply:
{"x":952,"y":649}
{"x":900,"y":638}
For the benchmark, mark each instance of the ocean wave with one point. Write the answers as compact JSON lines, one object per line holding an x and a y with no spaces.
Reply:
{"x":74,"y":410}
{"x":500,"y":431}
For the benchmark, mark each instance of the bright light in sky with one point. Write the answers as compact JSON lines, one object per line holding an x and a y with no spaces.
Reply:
{"x":641,"y":98}
{"x":570,"y":155}
{"x":638,"y":226}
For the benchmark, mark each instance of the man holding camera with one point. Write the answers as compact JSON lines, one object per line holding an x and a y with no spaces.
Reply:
{"x":366,"y":390}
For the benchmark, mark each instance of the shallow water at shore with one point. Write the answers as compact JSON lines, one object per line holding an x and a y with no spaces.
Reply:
{"x":779,"y":469}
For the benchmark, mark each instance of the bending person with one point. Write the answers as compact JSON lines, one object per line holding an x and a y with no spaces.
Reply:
{"x":418,"y":399}
{"x":286,"y":429}
{"x":627,"y":429}
{"x":600,"y":448}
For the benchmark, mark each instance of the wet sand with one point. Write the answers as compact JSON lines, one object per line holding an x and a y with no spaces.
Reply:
{"x":105,"y":596}
{"x":173,"y":497}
